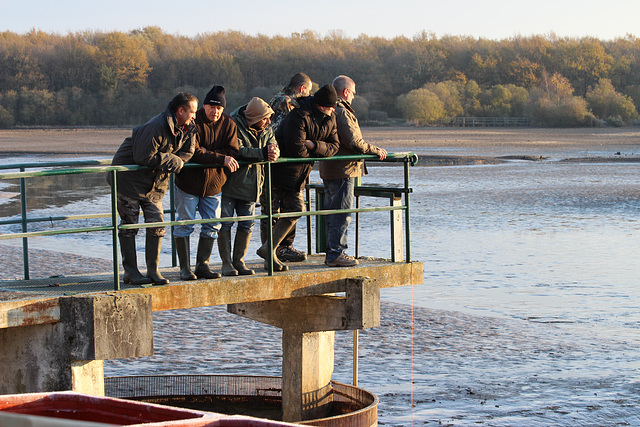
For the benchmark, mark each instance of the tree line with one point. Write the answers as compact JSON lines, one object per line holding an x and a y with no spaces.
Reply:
{"x":114,"y":78}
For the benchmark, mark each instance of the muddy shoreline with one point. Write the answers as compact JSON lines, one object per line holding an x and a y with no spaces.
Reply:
{"x":104,"y":142}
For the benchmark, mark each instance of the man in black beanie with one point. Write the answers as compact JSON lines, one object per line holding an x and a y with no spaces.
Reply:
{"x":308,"y":131}
{"x":200,"y":189}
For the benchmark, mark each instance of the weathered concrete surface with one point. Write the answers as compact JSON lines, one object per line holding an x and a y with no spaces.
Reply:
{"x":32,"y":359}
{"x":311,"y":278}
{"x":29,"y":312}
{"x":359,"y":309}
{"x":294,"y":283}
{"x":307,"y":366}
{"x":59,"y":356}
{"x":103,"y":327}
{"x":50,"y":343}
{"x":87,"y":376}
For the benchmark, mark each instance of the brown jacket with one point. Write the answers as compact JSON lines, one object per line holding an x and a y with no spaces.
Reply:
{"x":351,"y":143}
{"x":214,"y":141}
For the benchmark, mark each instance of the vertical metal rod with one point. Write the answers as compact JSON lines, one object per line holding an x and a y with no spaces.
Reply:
{"x":357,"y":184}
{"x":172,"y":207}
{"x":355,"y":358}
{"x":267,"y":187}
{"x":23,"y":214}
{"x":114,"y":232}
{"x":406,"y":212}
{"x":308,"y":205}
{"x":357,"y":227}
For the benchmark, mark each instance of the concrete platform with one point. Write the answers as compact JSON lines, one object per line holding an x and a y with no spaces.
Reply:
{"x":34,"y":302}
{"x":57,"y":332}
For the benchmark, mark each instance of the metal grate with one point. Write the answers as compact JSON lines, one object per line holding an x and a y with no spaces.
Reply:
{"x":259,"y":396}
{"x":189,"y":385}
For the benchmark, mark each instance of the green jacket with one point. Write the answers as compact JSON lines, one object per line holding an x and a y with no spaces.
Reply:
{"x":246,"y":183}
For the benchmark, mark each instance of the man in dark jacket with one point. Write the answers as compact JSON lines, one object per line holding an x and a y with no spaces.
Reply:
{"x":307,"y":131}
{"x":282,"y":103}
{"x":164,"y":143}
{"x":200,"y":189}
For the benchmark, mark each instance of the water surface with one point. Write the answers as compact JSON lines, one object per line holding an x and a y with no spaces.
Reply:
{"x":528,"y":314}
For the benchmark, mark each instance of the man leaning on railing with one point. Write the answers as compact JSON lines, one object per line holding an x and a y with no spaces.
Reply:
{"x":307,"y":131}
{"x":164,"y":143}
{"x":339,"y":176}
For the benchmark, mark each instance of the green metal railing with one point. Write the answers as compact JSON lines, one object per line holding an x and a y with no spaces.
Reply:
{"x":102,"y":166}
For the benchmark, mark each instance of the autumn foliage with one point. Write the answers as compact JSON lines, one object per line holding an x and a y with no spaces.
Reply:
{"x":97,"y":78}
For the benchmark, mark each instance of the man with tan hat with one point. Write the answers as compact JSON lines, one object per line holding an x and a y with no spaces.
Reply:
{"x":242,"y":190}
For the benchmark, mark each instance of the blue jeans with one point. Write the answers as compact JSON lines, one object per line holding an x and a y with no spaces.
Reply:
{"x":186,"y":206}
{"x":338,"y":194}
{"x":242,"y":208}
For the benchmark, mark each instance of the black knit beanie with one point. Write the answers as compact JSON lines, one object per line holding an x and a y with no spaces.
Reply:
{"x":216,"y":96}
{"x":326,"y":96}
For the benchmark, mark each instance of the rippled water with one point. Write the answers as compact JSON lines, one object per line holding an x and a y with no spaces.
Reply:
{"x":544,"y":241}
{"x":528,"y":314}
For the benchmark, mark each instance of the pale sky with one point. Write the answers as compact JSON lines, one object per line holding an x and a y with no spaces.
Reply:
{"x":492,"y":19}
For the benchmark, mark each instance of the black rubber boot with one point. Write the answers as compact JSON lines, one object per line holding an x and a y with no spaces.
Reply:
{"x":240,"y":245}
{"x":152,"y":248}
{"x":224,"y":248}
{"x":184,"y":257}
{"x":280,"y":230}
{"x":205,"y":245}
{"x":132,"y":275}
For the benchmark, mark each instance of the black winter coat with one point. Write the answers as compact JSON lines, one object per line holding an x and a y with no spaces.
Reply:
{"x":304,"y":123}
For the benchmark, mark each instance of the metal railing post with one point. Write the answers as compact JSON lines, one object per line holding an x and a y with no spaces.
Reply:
{"x":23,"y":215}
{"x":357,"y":236}
{"x":355,"y":358}
{"x":308,"y":205}
{"x":114,"y":233}
{"x":406,"y":212}
{"x":267,"y":187}
{"x":172,"y":207}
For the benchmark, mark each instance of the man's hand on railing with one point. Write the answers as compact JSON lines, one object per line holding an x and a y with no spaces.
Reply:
{"x":382,"y":154}
{"x":273,"y":152}
{"x":174,"y":164}
{"x":231,"y":163}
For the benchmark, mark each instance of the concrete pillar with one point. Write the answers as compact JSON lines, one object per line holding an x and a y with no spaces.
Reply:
{"x":307,"y":366}
{"x":307,"y":340}
{"x":69,"y":355}
{"x":87,"y":377}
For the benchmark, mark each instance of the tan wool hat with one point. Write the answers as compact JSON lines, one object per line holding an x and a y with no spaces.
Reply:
{"x":257,"y":110}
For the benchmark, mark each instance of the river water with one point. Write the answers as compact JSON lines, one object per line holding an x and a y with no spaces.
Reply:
{"x":528,"y":314}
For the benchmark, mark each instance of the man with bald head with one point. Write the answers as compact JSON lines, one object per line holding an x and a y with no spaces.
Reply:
{"x":339,"y":176}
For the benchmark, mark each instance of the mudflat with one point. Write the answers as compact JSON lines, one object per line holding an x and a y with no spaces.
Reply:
{"x":500,"y":141}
